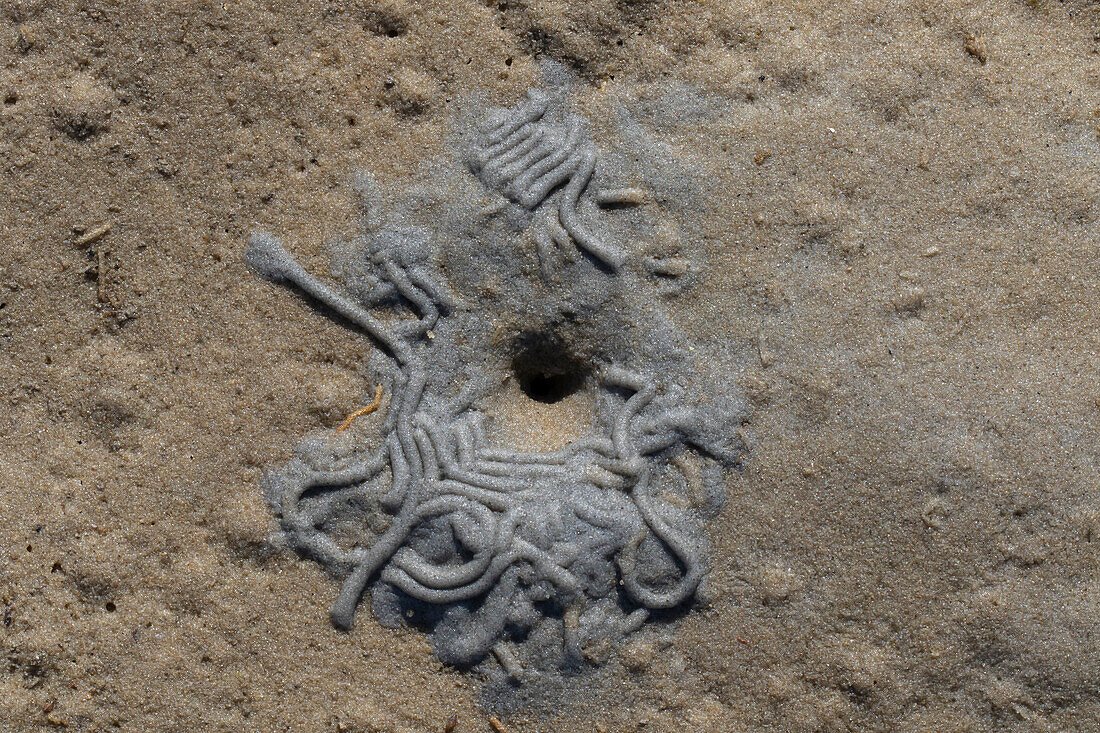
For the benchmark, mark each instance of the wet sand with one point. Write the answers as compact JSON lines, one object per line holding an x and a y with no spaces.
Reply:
{"x":900,"y":236}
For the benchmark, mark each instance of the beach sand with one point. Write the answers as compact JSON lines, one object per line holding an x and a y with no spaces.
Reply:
{"x":901,"y":235}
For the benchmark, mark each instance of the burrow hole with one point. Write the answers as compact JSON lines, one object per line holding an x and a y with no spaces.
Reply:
{"x":545,"y":368}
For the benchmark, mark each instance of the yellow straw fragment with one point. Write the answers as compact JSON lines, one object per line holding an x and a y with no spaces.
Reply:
{"x":364,"y":410}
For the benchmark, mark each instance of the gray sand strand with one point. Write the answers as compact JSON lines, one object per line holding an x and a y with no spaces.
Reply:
{"x":509,"y":548}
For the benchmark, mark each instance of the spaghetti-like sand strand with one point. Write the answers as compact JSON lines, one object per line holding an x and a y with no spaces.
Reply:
{"x":501,"y":537}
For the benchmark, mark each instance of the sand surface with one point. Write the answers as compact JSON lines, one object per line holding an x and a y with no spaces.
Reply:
{"x":901,"y":215}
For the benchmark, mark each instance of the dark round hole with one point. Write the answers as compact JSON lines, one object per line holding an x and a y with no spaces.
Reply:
{"x":545,"y":368}
{"x":550,"y":388}
{"x":110,"y":607}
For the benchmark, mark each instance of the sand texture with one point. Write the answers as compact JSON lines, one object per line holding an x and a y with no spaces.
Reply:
{"x":886,"y":219}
